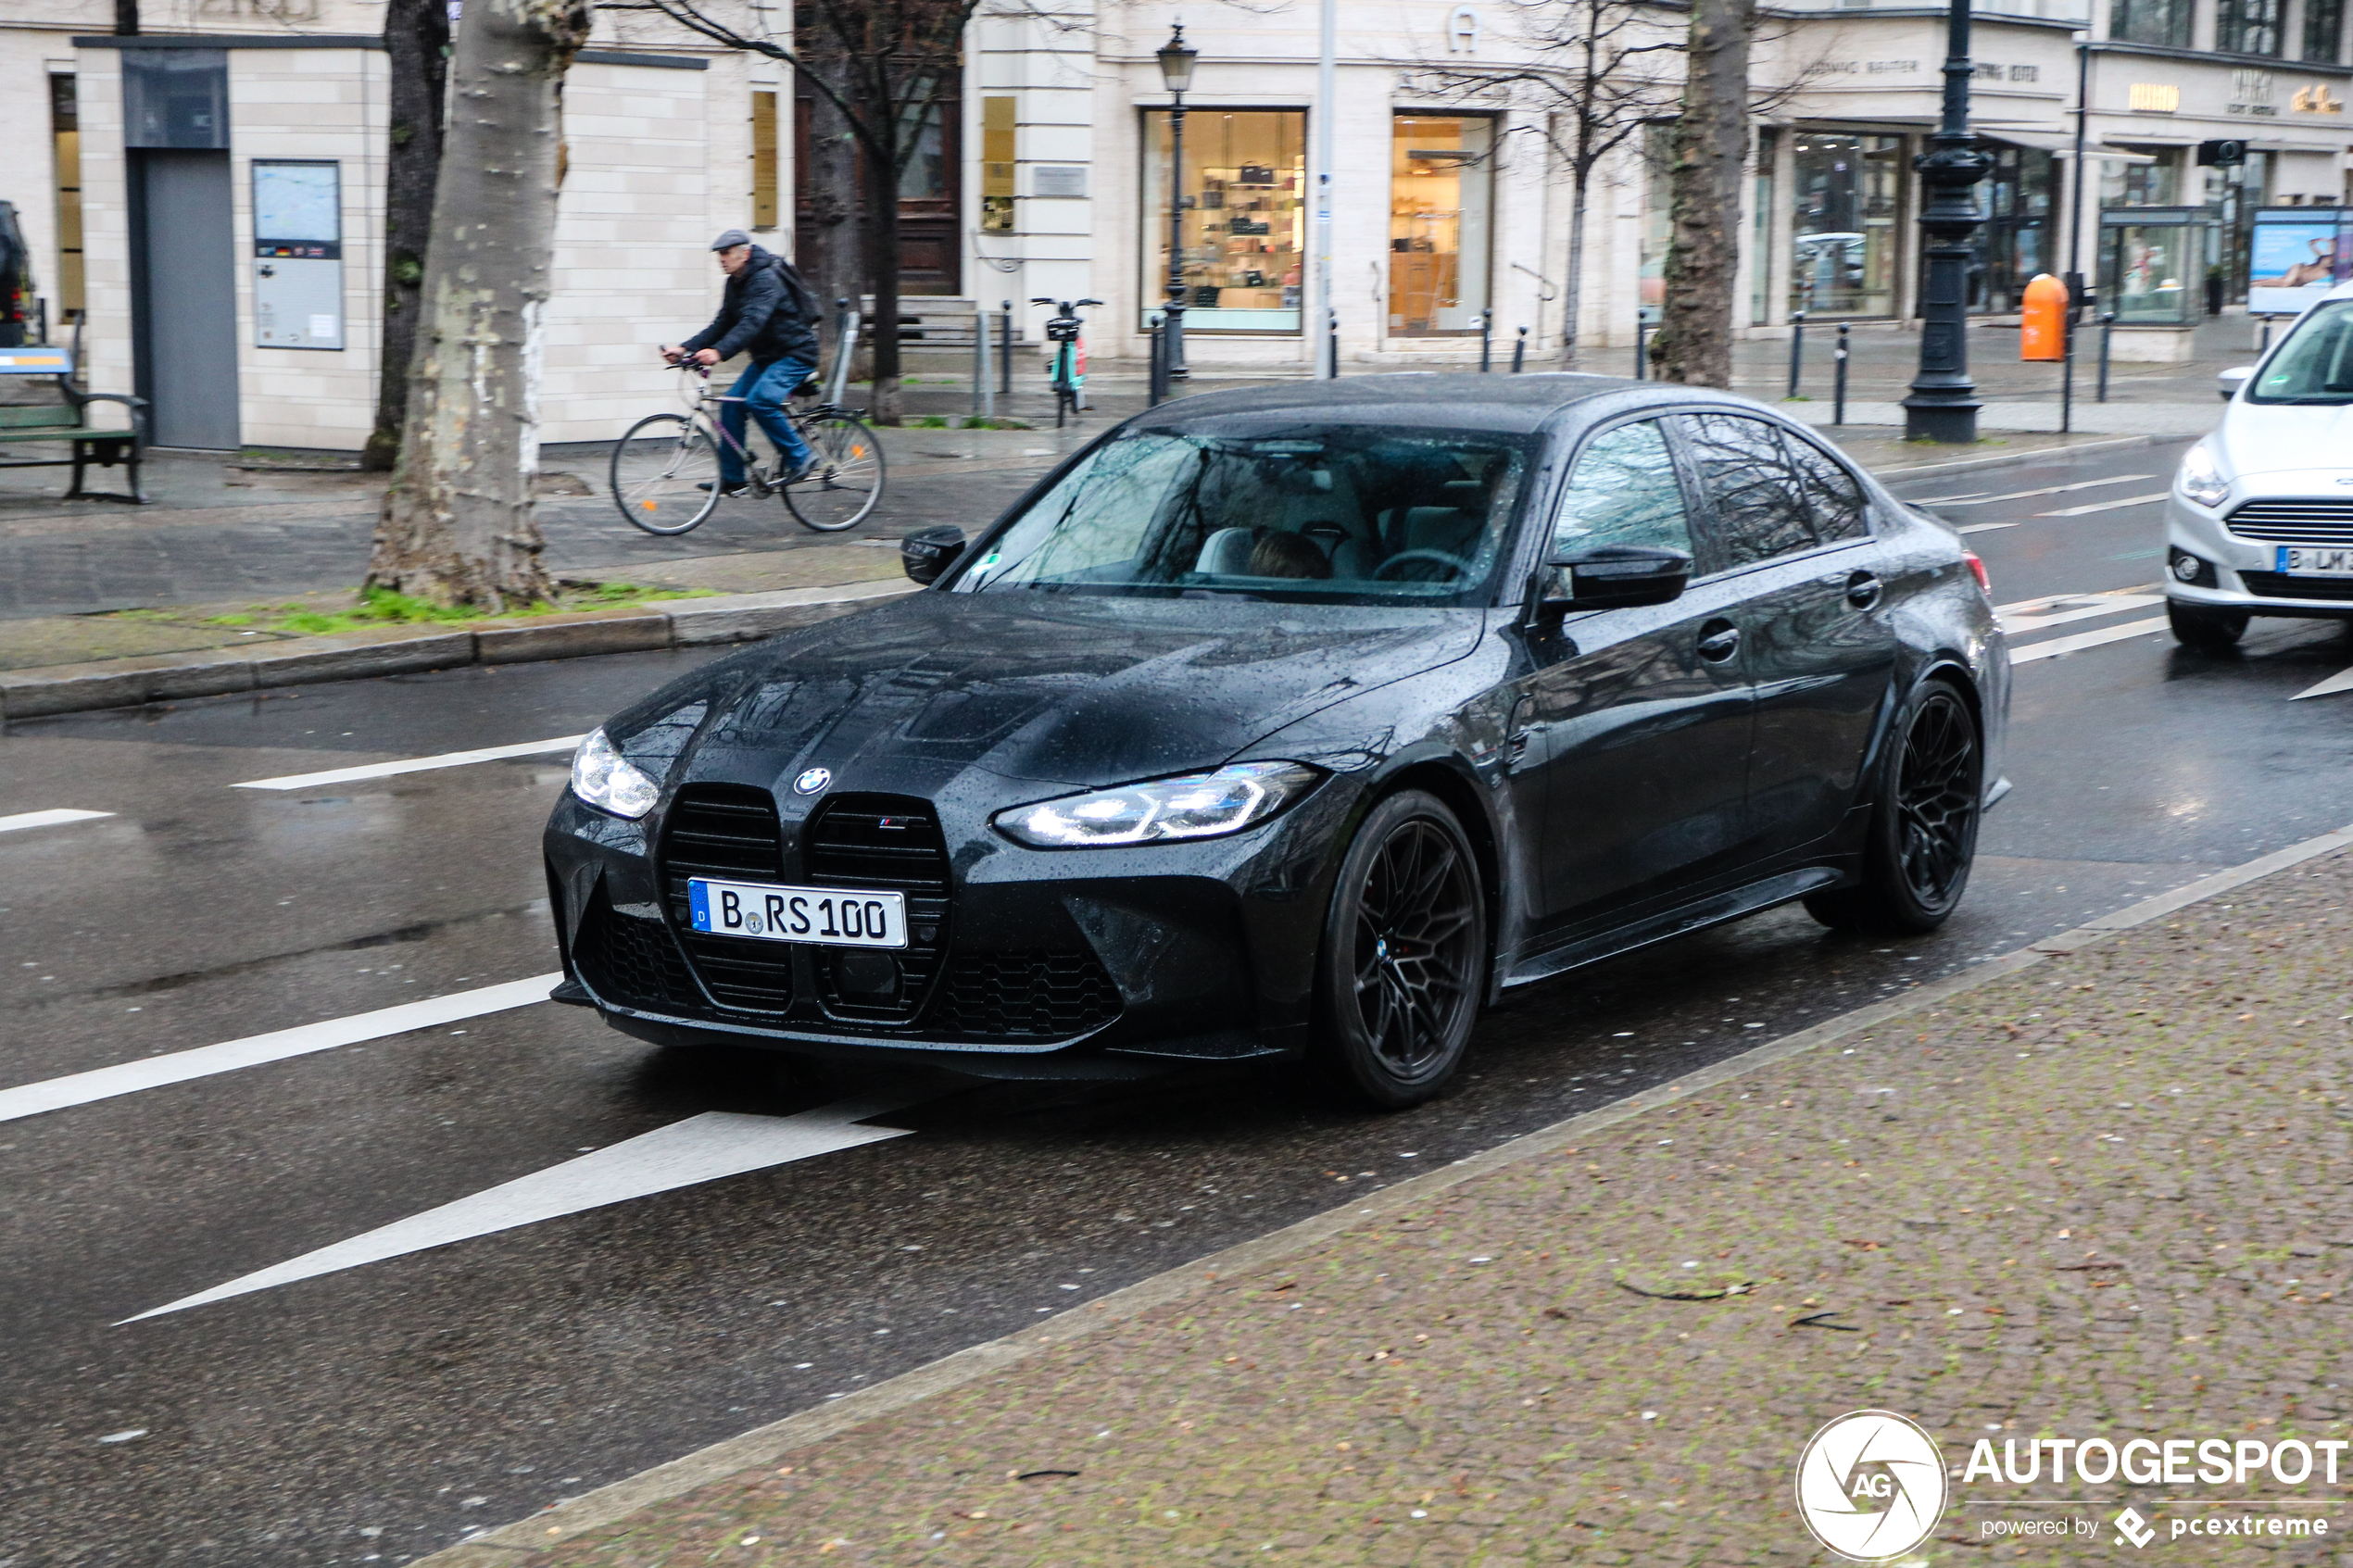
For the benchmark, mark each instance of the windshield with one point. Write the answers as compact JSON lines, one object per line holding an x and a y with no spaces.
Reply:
{"x":2315,"y":365}
{"x":1316,"y":514}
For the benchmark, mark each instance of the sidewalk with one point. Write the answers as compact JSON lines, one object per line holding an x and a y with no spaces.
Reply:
{"x":2096,"y":1191}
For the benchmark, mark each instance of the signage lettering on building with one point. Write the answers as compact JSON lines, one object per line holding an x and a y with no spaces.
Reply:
{"x":2154,"y":97}
{"x":2251,"y":93}
{"x":1986,"y":72}
{"x":1462,"y":31}
{"x":1874,"y":68}
{"x":2316,"y":99}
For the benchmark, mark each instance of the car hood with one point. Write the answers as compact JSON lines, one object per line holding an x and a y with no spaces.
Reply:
{"x":1062,"y":690}
{"x":2259,"y":438}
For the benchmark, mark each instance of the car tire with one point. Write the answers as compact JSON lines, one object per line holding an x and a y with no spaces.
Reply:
{"x":1923,"y":833}
{"x":2207,"y":631}
{"x":1403,"y":963}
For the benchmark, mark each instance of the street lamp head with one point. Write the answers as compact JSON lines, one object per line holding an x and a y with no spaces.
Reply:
{"x":1177,"y":61}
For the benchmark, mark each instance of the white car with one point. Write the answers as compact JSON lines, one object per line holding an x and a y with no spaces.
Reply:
{"x":2261,"y":522}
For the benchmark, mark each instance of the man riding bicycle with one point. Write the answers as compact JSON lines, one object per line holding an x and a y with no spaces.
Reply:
{"x":769,"y":314}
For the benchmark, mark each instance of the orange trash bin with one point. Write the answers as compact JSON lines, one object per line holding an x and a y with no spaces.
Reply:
{"x":2042,"y":333}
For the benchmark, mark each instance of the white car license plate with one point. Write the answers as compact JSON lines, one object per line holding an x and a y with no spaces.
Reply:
{"x":830,"y":916}
{"x":2304,"y":560}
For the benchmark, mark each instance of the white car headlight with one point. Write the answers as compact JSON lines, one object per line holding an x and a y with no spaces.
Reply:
{"x":1197,"y":806}
{"x":2200,"y":479}
{"x":609,"y":781}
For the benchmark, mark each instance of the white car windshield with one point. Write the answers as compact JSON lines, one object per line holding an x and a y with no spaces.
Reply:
{"x":1320,"y":514}
{"x":2315,"y":365}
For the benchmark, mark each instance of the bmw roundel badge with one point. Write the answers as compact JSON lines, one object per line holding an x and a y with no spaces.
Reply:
{"x":811,"y":782}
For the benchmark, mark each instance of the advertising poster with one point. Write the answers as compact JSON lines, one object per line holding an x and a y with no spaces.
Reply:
{"x":2298,"y":254}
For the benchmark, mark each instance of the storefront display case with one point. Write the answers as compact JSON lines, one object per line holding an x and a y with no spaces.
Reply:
{"x":2152,"y":264}
{"x":1244,"y":218}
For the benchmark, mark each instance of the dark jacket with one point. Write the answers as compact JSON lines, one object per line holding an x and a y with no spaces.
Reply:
{"x":758,"y":316}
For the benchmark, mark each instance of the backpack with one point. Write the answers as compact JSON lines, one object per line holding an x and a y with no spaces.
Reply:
{"x":798,"y":295}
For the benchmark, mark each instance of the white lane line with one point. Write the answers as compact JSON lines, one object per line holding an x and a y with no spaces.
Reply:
{"x":2084,"y":608}
{"x":702,"y":1149}
{"x":2081,"y":640}
{"x":2340,"y":682}
{"x":1979,"y":497}
{"x":2029,"y":607}
{"x":415,"y":764}
{"x":203,"y":1061}
{"x":48,"y":819}
{"x":1984,"y":527}
{"x":2107,"y":506}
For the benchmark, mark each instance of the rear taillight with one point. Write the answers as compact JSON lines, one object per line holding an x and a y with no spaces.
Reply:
{"x":1977,"y":570}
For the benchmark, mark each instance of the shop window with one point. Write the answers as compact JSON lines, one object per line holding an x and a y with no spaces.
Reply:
{"x":2155,"y":183}
{"x":2323,"y":29}
{"x":1441,"y":190}
{"x":2150,"y":22}
{"x":2151,"y":263}
{"x":1848,"y":191}
{"x":2014,"y":244}
{"x":1760,"y":271}
{"x":2248,"y":27}
{"x":1243,"y":222}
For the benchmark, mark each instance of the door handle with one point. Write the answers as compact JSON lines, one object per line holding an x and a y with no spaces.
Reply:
{"x":1719,"y":641}
{"x":1862,"y":590}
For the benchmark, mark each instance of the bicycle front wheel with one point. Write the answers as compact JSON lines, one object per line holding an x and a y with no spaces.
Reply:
{"x":666,"y":474}
{"x":848,"y":481}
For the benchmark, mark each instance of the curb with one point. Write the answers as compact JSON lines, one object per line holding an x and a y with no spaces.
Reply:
{"x":2002,"y":461}
{"x":518,"y":1542}
{"x":128,"y":683}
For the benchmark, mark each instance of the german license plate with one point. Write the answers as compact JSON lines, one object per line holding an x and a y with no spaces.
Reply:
{"x":829,"y":917}
{"x":2305,"y":561}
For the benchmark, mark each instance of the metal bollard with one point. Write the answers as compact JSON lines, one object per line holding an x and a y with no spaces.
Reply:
{"x":2265,"y":346}
{"x":1519,"y":352}
{"x":2107,"y":330}
{"x":1486,"y":341}
{"x":1155,"y":378}
{"x":1838,"y":407}
{"x":984,"y":384}
{"x":1796,"y":348}
{"x":1005,"y":358}
{"x":1641,"y":359}
{"x":1332,"y":336}
{"x":2066,"y":374}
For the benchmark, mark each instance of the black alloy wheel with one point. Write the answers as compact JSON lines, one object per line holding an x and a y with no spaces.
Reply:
{"x":2207,"y":631}
{"x":1405,"y":954}
{"x":1923,"y":836}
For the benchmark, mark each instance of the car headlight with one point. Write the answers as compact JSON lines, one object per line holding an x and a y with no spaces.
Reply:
{"x":1197,"y":806}
{"x":2200,"y":479}
{"x":609,"y":781}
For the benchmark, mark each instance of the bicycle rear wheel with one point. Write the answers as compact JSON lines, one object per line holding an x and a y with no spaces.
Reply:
{"x":666,"y":474}
{"x":848,"y":481}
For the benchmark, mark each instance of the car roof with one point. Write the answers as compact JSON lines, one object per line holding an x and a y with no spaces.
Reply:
{"x":1521,"y":403}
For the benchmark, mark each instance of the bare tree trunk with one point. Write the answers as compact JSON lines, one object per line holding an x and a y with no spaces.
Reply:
{"x":417,"y":39}
{"x":1694,"y":340}
{"x":458,"y":525}
{"x":837,"y":271}
{"x":1573,"y":291}
{"x":882,"y":265}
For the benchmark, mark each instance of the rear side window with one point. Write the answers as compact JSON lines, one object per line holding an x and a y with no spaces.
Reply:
{"x":1831,"y":493}
{"x":1760,"y":504}
{"x":1624,"y":492}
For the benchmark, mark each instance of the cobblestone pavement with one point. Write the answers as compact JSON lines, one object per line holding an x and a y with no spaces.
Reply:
{"x":2105,"y":1195}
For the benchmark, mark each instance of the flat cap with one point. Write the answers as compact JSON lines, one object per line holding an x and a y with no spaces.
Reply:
{"x":731,"y":238}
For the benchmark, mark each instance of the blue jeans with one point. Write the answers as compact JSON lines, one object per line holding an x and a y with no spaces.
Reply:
{"x":763,"y":388}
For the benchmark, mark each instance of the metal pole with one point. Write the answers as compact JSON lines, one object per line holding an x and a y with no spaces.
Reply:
{"x":1519,"y":352}
{"x":845,"y":348}
{"x":1796,"y":348}
{"x":1177,"y":370}
{"x":1641,"y":361}
{"x":2107,"y":330}
{"x":2067,"y":373}
{"x":1837,"y":405}
{"x":2265,"y":346}
{"x":980,"y":360}
{"x":1005,"y":348}
{"x":1942,"y":406}
{"x":2075,"y":216}
{"x":1486,"y":341}
{"x":1326,"y":100}
{"x":1156,"y":382}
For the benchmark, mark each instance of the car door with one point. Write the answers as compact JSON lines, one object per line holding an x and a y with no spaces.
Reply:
{"x":1820,"y":648}
{"x":1638,"y":717}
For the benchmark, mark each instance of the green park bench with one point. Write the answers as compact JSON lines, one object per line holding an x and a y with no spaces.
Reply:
{"x":94,"y":437}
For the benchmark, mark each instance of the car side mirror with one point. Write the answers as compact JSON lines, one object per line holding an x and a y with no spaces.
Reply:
{"x":927,"y":552}
{"x":1610,"y":577}
{"x":2229,"y":380}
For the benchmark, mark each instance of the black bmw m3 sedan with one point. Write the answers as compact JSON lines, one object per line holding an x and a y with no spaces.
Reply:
{"x":1301,"y":722}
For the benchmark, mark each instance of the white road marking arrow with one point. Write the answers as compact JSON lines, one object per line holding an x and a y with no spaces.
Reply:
{"x":2340,"y":682}
{"x":49,"y":818}
{"x":702,"y":1149}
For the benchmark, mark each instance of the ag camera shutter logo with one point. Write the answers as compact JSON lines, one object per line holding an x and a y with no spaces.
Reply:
{"x":1871,"y":1486}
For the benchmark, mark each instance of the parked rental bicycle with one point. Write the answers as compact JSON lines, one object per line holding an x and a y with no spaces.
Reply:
{"x":1070,"y":382}
{"x":665,"y":471}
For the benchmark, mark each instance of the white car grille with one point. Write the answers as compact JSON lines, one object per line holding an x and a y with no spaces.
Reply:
{"x":2317,"y":520}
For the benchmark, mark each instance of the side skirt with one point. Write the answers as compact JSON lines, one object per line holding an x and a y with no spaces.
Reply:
{"x":1712,"y":910}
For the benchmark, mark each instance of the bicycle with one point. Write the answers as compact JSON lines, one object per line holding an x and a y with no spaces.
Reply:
{"x":1062,"y":333}
{"x":665,"y":473}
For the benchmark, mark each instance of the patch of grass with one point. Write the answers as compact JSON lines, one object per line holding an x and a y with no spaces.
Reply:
{"x":976,"y":422}
{"x":929,"y":421}
{"x":382,"y":607}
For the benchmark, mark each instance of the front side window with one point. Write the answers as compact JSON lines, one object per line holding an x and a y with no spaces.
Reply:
{"x":1260,"y":509}
{"x":1624,"y":492}
{"x":2315,"y":365}
{"x":1759,"y":503}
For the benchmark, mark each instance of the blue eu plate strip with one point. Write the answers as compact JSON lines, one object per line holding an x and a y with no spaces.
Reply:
{"x":698,"y":895}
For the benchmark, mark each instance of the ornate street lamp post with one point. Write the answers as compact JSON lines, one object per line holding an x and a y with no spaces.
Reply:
{"x":1944,"y":405}
{"x":1176,"y":75}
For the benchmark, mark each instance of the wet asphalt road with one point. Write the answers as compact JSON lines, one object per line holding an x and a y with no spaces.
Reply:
{"x":374,"y":1414}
